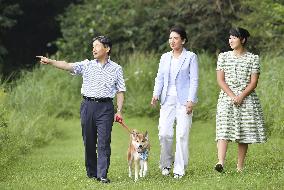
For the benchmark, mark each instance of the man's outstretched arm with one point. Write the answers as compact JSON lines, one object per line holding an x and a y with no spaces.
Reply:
{"x":58,"y":64}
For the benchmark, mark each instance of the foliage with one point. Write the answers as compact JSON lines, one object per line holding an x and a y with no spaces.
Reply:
{"x":8,"y":12}
{"x":139,"y":74}
{"x":206,"y":22}
{"x":27,"y":29}
{"x":144,"y":25}
{"x":82,"y":22}
{"x":43,"y":90}
{"x":132,"y":25}
{"x":264,"y":19}
{"x":28,"y":114}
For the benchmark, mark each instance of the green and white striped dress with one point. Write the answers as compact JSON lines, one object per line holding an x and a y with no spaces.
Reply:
{"x":245,"y":123}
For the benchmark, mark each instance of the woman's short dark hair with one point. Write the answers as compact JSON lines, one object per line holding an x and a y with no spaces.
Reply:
{"x":181,"y":31}
{"x":240,"y":33}
{"x":105,"y":41}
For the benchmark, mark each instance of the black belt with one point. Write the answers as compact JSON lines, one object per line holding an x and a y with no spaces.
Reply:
{"x":97,"y":99}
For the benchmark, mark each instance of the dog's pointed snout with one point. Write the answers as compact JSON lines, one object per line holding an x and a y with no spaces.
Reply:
{"x":140,"y":146}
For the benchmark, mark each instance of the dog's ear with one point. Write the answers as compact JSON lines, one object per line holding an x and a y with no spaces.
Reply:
{"x":133,"y":135}
{"x":146,"y":135}
{"x":134,"y":131}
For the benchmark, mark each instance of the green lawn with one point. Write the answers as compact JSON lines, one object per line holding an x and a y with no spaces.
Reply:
{"x":60,"y":164}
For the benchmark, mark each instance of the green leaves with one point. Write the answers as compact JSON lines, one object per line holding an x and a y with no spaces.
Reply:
{"x":144,"y":25}
{"x":265,"y":21}
{"x":8,"y":12}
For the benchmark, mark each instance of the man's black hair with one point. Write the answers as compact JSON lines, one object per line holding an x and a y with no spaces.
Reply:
{"x":105,"y":41}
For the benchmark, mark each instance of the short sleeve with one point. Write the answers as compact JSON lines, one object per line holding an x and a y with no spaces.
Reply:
{"x":120,"y":84}
{"x":79,"y":67}
{"x":255,"y":65}
{"x":220,"y":62}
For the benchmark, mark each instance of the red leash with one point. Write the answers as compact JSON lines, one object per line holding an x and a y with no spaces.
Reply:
{"x":119,"y":120}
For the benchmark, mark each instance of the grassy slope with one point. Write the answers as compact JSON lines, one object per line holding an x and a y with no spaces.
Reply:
{"x":60,"y":165}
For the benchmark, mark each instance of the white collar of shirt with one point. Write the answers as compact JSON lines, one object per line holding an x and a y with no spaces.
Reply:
{"x":101,"y":64}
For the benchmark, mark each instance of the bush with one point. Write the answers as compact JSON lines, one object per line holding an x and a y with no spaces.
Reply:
{"x":264,"y":20}
{"x":139,"y":73}
{"x":144,"y":25}
{"x":32,"y":106}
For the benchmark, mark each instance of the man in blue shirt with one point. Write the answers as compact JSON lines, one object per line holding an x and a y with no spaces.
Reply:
{"x":102,"y":80}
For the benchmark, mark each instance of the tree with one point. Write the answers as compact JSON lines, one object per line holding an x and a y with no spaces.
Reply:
{"x":207,"y":22}
{"x":101,"y":17}
{"x":265,"y":21}
{"x":8,"y":12}
{"x":144,"y":24}
{"x":31,"y":33}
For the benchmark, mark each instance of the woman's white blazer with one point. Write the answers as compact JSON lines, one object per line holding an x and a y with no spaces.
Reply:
{"x":186,"y":77}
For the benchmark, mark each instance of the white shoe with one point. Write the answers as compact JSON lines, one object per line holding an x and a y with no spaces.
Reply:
{"x":177,"y":176}
{"x":166,"y":171}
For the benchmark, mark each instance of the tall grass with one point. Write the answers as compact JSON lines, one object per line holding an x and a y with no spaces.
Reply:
{"x":29,"y":108}
{"x":207,"y":89}
{"x":271,"y":92}
{"x":140,"y":72}
{"x":3,"y":112}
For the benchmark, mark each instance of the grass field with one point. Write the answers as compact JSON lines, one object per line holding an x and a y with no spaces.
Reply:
{"x":30,"y":106}
{"x":40,"y":150}
{"x":60,"y":164}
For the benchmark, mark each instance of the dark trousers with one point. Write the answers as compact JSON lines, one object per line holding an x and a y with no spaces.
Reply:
{"x":97,"y":120}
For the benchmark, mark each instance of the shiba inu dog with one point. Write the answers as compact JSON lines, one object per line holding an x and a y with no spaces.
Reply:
{"x":137,"y":153}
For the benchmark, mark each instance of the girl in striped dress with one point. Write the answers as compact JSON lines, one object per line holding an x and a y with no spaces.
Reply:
{"x":239,"y":114}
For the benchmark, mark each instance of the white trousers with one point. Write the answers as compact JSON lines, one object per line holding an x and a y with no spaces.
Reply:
{"x":170,"y":112}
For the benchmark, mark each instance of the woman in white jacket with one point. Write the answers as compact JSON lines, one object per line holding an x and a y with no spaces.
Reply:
{"x":176,"y":88}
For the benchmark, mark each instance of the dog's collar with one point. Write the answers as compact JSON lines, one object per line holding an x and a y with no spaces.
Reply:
{"x":143,"y":155}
